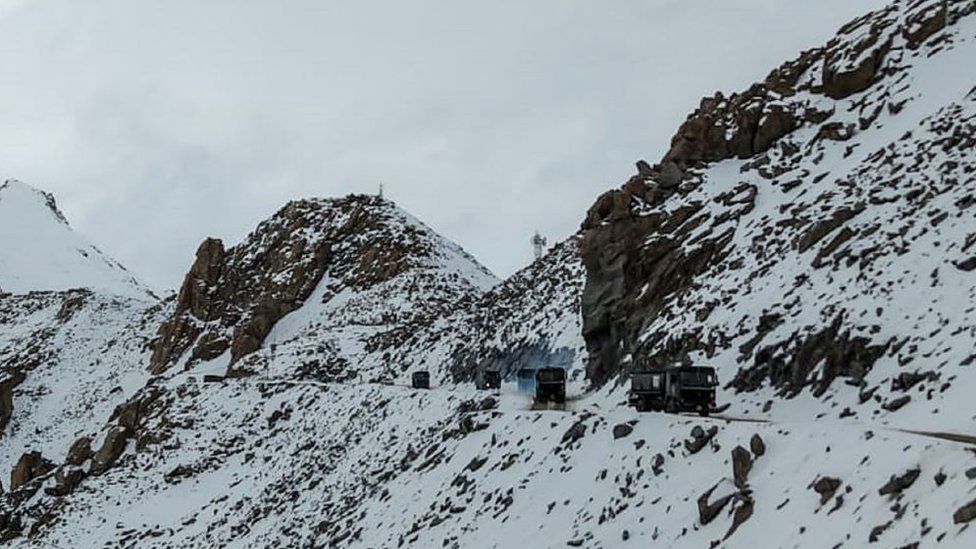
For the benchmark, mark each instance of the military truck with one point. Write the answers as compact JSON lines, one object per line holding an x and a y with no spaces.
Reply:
{"x":550,"y":385}
{"x":420,"y":380}
{"x":674,"y":389}
{"x":490,"y":380}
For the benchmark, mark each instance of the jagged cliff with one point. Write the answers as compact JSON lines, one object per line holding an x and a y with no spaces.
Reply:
{"x":807,"y":228}
{"x":359,"y":258}
{"x":817,"y":226}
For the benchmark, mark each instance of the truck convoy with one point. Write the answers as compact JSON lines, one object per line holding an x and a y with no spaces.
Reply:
{"x":674,"y":389}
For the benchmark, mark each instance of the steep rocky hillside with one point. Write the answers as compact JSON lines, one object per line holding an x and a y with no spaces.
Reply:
{"x":531,"y":318}
{"x":811,"y":237}
{"x":819,"y":225}
{"x":40,"y":251}
{"x":74,"y":329}
{"x":332,"y":280}
{"x":66,"y":360}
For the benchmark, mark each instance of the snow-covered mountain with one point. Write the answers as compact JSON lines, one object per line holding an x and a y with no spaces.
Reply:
{"x":817,"y":226}
{"x":811,"y":237}
{"x":531,"y":318}
{"x":40,"y":251}
{"x":343,"y":282}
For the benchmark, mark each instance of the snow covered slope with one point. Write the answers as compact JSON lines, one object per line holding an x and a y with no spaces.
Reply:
{"x":818,"y":227}
{"x":66,"y":360}
{"x":40,"y":251}
{"x":811,"y":237}
{"x":533,"y":318}
{"x":342,"y":282}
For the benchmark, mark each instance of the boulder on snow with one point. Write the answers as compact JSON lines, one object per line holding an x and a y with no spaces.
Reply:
{"x":79,"y":452}
{"x":757,"y":445}
{"x":66,"y":480}
{"x":826,"y":487}
{"x":965,"y":514}
{"x":898,"y":483}
{"x":112,"y":448}
{"x":700,"y":438}
{"x":30,"y":466}
{"x":741,"y":466}
{"x":574,"y":433}
{"x":622,"y":430}
{"x":708,"y":510}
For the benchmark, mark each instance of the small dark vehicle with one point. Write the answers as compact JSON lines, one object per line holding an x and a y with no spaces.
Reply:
{"x":420,"y":380}
{"x":550,"y":385}
{"x":675,"y":389}
{"x":490,"y":380}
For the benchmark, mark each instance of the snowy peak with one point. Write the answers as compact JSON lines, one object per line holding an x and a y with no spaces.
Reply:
{"x":352,"y":261}
{"x":13,"y":188}
{"x":40,"y":251}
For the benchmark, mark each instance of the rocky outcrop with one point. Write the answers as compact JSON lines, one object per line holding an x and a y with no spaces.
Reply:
{"x":788,"y":364}
{"x":111,"y":449}
{"x":8,"y":381}
{"x":654,"y":248}
{"x":232,"y":298}
{"x":31,"y":465}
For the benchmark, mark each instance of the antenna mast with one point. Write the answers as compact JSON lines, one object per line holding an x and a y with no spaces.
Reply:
{"x":538,"y":244}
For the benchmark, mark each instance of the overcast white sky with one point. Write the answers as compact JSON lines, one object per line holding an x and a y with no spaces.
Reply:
{"x":159,"y":123}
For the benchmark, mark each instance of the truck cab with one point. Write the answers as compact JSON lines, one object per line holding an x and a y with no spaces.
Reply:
{"x":490,"y":380}
{"x":690,"y":389}
{"x":550,"y":385}
{"x":674,"y":389}
{"x":647,"y":391}
{"x":420,"y":380}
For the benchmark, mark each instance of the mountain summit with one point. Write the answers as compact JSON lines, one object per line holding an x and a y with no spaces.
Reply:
{"x":40,"y":251}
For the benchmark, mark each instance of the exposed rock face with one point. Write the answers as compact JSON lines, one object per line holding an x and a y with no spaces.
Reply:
{"x":111,"y":449}
{"x":79,"y":452}
{"x":770,"y":196}
{"x":232,"y":299}
{"x":8,"y":381}
{"x":31,"y":466}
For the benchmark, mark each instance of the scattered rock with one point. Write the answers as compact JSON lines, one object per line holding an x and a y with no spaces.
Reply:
{"x":700,"y":438}
{"x":826,"y":487}
{"x":621,"y":431}
{"x":899,"y":483}
{"x":30,"y":466}
{"x":112,"y":448}
{"x":965,"y":514}
{"x":741,"y":466}
{"x":757,"y":445}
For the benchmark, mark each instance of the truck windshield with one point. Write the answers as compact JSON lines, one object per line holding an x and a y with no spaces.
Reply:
{"x":698,"y":378}
{"x":551,"y":376}
{"x":646,"y":382}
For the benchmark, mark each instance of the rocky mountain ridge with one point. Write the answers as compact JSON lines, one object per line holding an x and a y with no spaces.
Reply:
{"x":786,"y":238}
{"x":843,"y":166}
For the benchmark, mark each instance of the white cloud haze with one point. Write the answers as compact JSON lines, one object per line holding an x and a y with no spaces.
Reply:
{"x":159,"y":123}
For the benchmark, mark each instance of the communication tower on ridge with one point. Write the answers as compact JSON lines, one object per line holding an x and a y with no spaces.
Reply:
{"x":538,"y":244}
